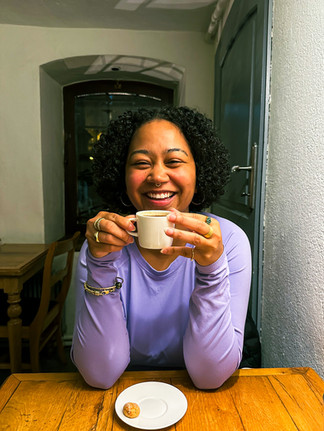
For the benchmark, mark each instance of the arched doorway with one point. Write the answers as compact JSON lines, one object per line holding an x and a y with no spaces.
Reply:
{"x":58,"y":74}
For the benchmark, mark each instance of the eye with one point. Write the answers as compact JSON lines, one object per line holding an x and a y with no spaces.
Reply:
{"x":174,"y":162}
{"x":141,"y":163}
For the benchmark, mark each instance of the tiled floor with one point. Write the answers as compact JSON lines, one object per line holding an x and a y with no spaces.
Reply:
{"x":49,"y":363}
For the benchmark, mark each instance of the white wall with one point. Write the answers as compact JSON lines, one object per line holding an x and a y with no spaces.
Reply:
{"x":293,"y":291}
{"x":26,"y":146}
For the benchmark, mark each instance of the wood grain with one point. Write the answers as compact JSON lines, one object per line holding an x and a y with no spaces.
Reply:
{"x":252,"y":400}
{"x":16,"y":259}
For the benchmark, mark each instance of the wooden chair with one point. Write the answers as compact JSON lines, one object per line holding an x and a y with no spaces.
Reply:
{"x":41,"y":319}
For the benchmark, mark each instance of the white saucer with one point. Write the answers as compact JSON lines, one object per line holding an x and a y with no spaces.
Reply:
{"x":161,"y":405}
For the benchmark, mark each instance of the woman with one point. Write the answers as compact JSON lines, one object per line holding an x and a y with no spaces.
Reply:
{"x":184,"y":305}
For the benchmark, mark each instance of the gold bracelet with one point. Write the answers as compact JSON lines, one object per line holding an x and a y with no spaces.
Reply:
{"x":100,"y":291}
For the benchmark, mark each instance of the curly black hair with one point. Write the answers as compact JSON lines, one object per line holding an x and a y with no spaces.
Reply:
{"x":210,"y":155}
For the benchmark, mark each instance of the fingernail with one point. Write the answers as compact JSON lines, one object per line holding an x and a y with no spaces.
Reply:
{"x":172,"y":217}
{"x":162,"y":251}
{"x":131,"y":226}
{"x":168,"y":230}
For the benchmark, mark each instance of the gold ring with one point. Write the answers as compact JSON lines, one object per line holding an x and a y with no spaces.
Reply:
{"x":96,"y":235}
{"x":192,"y":253}
{"x":209,"y":233}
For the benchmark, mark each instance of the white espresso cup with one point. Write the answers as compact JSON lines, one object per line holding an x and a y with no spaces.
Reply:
{"x":150,"y":229}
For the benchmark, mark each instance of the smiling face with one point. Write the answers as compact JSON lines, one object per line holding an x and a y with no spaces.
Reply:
{"x":160,"y":154}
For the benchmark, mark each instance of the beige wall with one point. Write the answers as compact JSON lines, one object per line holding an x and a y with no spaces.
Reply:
{"x":31,"y":133}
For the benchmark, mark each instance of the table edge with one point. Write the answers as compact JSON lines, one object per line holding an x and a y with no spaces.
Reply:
{"x":8,"y":388}
{"x":242,"y":372}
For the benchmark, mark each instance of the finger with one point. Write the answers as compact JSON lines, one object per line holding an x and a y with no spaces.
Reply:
{"x":186,"y":236}
{"x":115,"y":225}
{"x":103,"y":237}
{"x":184,"y":217}
{"x":121,"y":221}
{"x":99,"y":248}
{"x":194,"y":222}
{"x":112,"y":230}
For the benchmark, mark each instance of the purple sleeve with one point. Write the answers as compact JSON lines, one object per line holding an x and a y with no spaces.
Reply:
{"x":100,"y":347}
{"x":213,"y":341}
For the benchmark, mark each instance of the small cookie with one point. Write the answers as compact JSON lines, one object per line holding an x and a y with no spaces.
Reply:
{"x":131,"y":410}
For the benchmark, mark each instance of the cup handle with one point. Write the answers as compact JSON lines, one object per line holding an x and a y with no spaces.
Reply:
{"x":132,"y":233}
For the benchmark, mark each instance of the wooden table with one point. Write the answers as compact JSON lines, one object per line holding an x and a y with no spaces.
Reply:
{"x":18,"y":263}
{"x":277,"y":399}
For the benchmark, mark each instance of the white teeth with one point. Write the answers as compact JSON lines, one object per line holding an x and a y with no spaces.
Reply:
{"x":159,"y":195}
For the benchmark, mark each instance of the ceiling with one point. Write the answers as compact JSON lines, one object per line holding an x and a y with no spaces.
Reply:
{"x":178,"y":15}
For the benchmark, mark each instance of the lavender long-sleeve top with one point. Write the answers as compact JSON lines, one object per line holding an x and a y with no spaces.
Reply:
{"x":188,"y":315}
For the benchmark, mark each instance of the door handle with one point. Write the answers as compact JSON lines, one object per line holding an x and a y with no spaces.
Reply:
{"x":238,"y":168}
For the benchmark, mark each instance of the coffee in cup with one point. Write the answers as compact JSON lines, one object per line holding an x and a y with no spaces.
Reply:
{"x":150,"y":226}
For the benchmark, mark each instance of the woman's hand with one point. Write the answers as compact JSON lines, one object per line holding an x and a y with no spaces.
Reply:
{"x":112,"y":235}
{"x":195,"y":229}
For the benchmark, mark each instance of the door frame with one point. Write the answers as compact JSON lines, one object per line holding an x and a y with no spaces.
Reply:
{"x":264,"y":133}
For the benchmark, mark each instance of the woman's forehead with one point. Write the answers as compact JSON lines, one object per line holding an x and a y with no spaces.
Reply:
{"x":159,"y":135}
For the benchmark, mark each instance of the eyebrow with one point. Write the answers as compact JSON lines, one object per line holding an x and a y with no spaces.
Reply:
{"x":170,"y":150}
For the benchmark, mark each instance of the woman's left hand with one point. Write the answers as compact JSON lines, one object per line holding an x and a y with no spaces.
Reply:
{"x":206,"y":238}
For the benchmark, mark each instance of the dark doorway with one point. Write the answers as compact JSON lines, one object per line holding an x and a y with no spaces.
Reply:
{"x":88,"y":109}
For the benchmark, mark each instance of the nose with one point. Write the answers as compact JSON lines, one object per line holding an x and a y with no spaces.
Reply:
{"x":158,"y":174}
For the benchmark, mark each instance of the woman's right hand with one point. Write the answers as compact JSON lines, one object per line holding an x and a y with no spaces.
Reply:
{"x":112,"y":235}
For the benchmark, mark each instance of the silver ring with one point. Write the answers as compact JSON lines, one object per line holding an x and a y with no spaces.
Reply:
{"x":157,"y":185}
{"x":96,"y":223}
{"x":96,"y":235}
{"x":192,"y":253}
